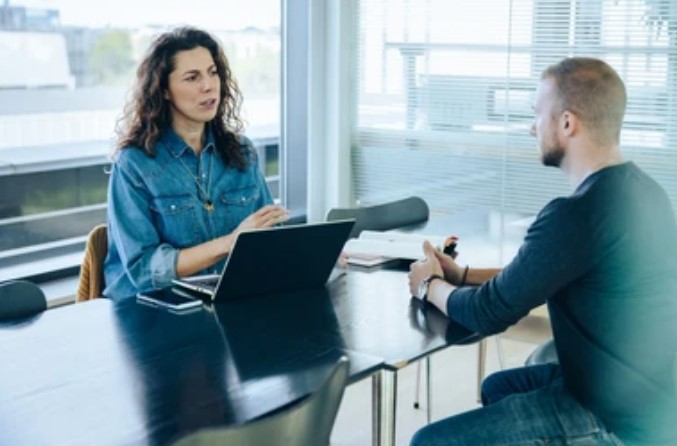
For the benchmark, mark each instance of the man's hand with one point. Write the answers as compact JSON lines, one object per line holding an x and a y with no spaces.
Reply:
{"x":422,"y":269}
{"x":342,"y":261}
{"x":452,"y":272}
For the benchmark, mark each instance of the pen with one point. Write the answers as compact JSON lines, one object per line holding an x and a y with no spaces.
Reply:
{"x":450,"y":246}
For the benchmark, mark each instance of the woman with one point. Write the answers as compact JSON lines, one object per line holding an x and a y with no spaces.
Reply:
{"x":184,"y":180}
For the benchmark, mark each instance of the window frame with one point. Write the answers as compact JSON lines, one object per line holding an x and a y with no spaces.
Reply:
{"x":60,"y":259}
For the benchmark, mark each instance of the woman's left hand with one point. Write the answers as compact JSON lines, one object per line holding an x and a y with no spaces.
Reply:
{"x":265,"y":217}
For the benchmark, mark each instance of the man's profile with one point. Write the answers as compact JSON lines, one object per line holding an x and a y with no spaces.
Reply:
{"x":604,"y":259}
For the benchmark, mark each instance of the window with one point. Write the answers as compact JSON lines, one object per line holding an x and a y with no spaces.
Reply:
{"x":66,"y":73}
{"x":444,"y":105}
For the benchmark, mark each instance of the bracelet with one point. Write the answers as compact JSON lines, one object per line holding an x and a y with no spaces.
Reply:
{"x":427,"y":283}
{"x":465,"y":275}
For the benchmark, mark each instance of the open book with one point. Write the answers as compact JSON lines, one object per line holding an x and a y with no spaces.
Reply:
{"x":374,"y":248}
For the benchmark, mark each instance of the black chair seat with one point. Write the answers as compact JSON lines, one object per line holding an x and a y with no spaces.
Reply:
{"x":545,"y":353}
{"x":19,"y":299}
{"x":306,"y":423}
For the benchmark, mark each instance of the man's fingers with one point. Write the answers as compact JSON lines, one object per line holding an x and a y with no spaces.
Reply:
{"x":411,"y":286}
{"x":429,"y":250}
{"x":444,"y":258}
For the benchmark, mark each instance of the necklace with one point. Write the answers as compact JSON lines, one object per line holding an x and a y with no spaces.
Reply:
{"x":207,"y":203}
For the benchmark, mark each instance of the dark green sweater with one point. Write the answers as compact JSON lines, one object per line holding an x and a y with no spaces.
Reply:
{"x":605,"y":261}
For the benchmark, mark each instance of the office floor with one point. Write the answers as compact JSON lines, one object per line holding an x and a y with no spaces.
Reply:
{"x":454,"y":372}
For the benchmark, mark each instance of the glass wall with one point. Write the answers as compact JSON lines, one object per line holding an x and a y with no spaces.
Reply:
{"x":445,"y":92}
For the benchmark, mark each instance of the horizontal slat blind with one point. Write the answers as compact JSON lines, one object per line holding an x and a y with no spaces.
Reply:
{"x":445,"y":88}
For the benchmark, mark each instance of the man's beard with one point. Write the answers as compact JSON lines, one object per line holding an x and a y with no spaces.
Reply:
{"x":553,"y":157}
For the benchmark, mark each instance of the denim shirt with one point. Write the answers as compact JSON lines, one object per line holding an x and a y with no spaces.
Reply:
{"x":155,"y":209}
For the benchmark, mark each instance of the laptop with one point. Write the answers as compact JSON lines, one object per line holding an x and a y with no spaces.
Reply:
{"x":274,"y":260}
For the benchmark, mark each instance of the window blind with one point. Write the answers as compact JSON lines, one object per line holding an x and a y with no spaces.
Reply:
{"x":444,"y":92}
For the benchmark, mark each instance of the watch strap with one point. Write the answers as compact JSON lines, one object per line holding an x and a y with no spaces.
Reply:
{"x":427,"y":281}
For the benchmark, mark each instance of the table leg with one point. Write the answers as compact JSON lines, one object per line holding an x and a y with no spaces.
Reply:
{"x":429,"y":386}
{"x":384,"y":397}
{"x":481,"y":358}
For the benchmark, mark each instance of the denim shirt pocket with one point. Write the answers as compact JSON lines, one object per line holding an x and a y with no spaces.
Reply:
{"x":239,"y":204}
{"x":176,"y":220}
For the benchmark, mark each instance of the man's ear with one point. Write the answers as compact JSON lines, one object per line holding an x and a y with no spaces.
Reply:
{"x":568,"y":123}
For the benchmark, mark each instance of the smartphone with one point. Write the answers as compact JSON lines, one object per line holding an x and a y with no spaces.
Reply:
{"x":168,"y":298}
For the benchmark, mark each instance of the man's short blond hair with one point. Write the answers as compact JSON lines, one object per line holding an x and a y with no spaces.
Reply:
{"x":594,"y":92}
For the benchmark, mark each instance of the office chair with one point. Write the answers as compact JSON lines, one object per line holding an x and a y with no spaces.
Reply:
{"x":305,"y":423}
{"x":91,"y":282}
{"x":532,"y":325}
{"x":383,"y":217}
{"x":20,"y":298}
{"x":545,"y":353}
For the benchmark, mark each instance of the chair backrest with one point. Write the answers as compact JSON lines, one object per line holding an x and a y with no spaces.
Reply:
{"x":383,"y":217}
{"x":20,"y":298}
{"x":91,"y":282}
{"x":305,"y":423}
{"x":545,"y":353}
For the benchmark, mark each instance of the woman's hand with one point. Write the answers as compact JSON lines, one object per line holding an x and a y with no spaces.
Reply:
{"x":265,"y":217}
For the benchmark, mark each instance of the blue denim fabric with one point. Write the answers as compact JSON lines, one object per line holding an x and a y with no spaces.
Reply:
{"x":155,"y":209}
{"x":528,"y":406}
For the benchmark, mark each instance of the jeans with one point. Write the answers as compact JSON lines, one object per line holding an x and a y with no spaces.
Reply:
{"x":524,"y":406}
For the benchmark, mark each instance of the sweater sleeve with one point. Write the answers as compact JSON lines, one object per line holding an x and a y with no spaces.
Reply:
{"x":555,"y":252}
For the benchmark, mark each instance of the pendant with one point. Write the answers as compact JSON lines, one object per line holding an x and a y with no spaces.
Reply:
{"x":209,"y":206}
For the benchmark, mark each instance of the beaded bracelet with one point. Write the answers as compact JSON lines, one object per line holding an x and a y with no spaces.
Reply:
{"x":465,"y":275}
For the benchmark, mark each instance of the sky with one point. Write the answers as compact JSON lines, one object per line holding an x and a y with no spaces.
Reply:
{"x":212,"y":14}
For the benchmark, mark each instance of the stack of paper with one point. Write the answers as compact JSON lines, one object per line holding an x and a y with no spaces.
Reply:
{"x":373,"y":248}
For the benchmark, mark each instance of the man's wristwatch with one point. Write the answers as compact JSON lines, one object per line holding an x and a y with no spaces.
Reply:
{"x":424,"y":285}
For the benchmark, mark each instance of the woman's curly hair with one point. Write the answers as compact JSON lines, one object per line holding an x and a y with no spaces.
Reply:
{"x":148,"y":114}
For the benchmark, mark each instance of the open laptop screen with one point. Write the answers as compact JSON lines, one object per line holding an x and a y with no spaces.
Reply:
{"x":281,"y":259}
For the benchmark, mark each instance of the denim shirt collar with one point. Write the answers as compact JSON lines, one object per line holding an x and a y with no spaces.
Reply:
{"x":177,"y":146}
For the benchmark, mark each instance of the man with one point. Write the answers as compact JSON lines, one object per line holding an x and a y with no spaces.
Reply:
{"x":605,"y":261}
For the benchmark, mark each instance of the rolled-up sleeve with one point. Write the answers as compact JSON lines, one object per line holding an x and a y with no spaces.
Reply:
{"x":148,"y":263}
{"x":556,"y":250}
{"x":163,"y":265}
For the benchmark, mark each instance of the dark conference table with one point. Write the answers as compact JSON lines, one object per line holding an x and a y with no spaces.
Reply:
{"x":110,"y":374}
{"x":104,"y":373}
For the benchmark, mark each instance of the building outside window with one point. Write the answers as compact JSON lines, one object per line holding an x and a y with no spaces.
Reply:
{"x":67,"y":68}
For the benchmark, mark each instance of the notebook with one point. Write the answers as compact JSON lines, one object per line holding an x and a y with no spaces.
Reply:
{"x":374,"y":247}
{"x":276,"y":260}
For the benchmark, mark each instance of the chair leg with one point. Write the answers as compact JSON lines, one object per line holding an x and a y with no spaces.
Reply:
{"x":481,"y":357}
{"x":499,"y":350}
{"x":417,"y":395}
{"x":429,"y":386}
